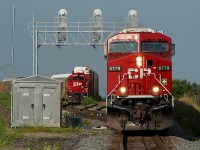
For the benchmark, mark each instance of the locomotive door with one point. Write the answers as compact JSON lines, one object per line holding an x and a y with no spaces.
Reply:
{"x":48,"y":106}
{"x":26,"y":105}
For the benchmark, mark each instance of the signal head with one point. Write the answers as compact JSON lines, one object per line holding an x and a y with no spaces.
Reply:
{"x":62,"y":12}
{"x":97,"y":12}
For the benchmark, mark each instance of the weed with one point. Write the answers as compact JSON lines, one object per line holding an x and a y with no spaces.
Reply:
{"x":87,"y":122}
{"x":5,"y":100}
{"x":88,"y":101}
{"x":5,"y":136}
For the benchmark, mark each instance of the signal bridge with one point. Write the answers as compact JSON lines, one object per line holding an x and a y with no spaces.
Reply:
{"x":75,"y":33}
{"x":60,"y":32}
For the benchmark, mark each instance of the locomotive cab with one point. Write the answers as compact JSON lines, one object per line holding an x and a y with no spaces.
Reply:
{"x":83,"y":82}
{"x":139,"y":80}
{"x":77,"y":87}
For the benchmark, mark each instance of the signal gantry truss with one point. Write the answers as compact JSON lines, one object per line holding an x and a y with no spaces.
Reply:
{"x":73,"y":33}
{"x":60,"y":32}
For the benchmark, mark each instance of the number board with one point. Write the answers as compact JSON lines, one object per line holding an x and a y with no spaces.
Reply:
{"x":114,"y":68}
{"x":167,"y":68}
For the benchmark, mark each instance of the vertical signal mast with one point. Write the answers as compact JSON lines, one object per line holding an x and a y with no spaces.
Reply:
{"x":97,"y":25}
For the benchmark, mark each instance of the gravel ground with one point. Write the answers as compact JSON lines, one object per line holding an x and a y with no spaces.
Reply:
{"x":91,"y":139}
{"x":181,"y":140}
{"x":101,"y":141}
{"x":96,"y":139}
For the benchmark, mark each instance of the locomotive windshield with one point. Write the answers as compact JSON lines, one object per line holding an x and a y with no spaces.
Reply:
{"x":78,"y":78}
{"x":155,"y":46}
{"x":123,"y":47}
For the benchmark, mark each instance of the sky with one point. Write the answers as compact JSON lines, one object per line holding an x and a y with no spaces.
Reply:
{"x":179,"y":19}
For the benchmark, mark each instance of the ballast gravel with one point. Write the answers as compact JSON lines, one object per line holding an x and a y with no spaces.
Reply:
{"x":92,"y":139}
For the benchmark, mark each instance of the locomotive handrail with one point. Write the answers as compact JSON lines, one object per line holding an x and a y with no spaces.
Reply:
{"x":164,"y":88}
{"x":117,"y":85}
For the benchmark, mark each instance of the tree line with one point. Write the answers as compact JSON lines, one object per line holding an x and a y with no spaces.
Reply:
{"x":183,"y":87}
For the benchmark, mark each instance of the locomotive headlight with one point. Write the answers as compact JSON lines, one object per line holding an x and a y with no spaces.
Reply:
{"x":122,"y":90}
{"x":139,"y":61}
{"x":155,"y":90}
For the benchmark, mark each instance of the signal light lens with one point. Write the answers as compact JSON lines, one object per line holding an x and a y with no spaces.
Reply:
{"x":139,"y":61}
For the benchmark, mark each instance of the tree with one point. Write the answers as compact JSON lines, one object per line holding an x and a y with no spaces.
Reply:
{"x":196,"y":88}
{"x":180,"y":87}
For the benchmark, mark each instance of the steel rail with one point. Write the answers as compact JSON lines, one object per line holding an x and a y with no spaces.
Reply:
{"x":159,"y":142}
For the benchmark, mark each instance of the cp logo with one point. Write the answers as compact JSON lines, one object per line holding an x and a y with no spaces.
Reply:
{"x":135,"y":73}
{"x":77,"y":84}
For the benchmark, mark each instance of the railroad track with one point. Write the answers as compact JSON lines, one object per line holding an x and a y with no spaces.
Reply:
{"x":94,"y":112}
{"x":139,"y":140}
{"x":124,"y":140}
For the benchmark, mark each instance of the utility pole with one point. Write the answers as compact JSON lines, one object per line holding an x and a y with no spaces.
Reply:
{"x":13,"y":34}
{"x":12,"y":65}
{"x":33,"y":45}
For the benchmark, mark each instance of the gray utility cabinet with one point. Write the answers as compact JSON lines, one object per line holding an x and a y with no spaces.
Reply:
{"x":36,"y":102}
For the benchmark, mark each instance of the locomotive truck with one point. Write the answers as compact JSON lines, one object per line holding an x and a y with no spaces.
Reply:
{"x":83,"y":82}
{"x":139,"y":80}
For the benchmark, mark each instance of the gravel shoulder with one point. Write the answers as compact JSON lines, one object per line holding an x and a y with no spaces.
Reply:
{"x":181,"y":140}
{"x":97,"y":139}
{"x":91,"y":139}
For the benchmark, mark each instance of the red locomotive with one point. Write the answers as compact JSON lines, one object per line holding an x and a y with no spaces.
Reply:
{"x":83,"y":82}
{"x":139,"y":80}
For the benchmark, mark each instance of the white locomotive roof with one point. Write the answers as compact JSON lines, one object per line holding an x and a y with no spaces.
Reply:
{"x":81,"y":69}
{"x":140,"y":30}
{"x":57,"y":76}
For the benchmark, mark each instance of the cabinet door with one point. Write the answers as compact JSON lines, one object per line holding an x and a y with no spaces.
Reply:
{"x":26,"y":106}
{"x":48,"y":106}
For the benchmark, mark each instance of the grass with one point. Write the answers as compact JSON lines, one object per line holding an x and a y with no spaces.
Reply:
{"x":5,"y":100}
{"x":87,"y":122}
{"x":187,"y":114}
{"x":45,"y":143}
{"x":88,"y":101}
{"x":191,"y":102}
{"x":36,"y":129}
{"x":46,"y":147}
{"x":5,"y":136}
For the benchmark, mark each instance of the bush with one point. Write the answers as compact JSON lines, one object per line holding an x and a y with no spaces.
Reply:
{"x":88,"y":101}
{"x":180,"y":87}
